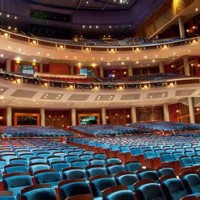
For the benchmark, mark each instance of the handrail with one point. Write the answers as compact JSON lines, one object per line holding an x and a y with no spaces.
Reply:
{"x":88,"y":47}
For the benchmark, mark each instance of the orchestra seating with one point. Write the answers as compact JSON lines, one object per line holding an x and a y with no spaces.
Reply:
{"x":107,"y":167}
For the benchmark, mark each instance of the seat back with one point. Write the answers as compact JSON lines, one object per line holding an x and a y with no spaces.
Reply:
{"x":12,"y":168}
{"x":150,"y":191}
{"x":74,"y":172}
{"x":118,"y":192}
{"x":14,"y":180}
{"x":49,"y":176}
{"x":73,"y":187}
{"x":115,"y":168}
{"x":173,"y":187}
{"x":191,"y":181}
{"x":145,"y":174}
{"x":38,"y":166}
{"x":127,"y":179}
{"x":39,"y":192}
{"x":100,"y":183}
{"x":133,"y":166}
{"x":96,"y":170}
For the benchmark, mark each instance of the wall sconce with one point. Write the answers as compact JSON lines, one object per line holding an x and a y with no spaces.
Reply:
{"x":18,"y":60}
{"x":86,"y":49}
{"x":60,"y":46}
{"x":145,"y":87}
{"x":6,"y":35}
{"x":111,"y":50}
{"x":33,"y":42}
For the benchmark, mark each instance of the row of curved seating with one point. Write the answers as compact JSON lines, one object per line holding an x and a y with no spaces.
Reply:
{"x":167,"y":187}
{"x":34,"y":131}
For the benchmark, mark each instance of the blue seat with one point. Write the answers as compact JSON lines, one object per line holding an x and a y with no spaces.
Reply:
{"x":166,"y":157}
{"x":59,"y":166}
{"x":86,"y":157}
{"x":173,"y":187}
{"x":37,"y":159}
{"x":51,"y":159}
{"x":165,"y":171}
{"x":21,"y":161}
{"x":150,"y":154}
{"x":15,"y":182}
{"x":147,"y":190}
{"x":113,"y":160}
{"x":74,"y":172}
{"x":127,"y":179}
{"x":118,"y":192}
{"x":68,"y":188}
{"x":97,"y":162}
{"x":39,"y":192}
{"x":96,"y":170}
{"x":145,"y":174}
{"x":80,"y":163}
{"x":186,"y":161}
{"x":12,"y":168}
{"x":37,"y":166}
{"x":7,"y":195}
{"x":191,"y":181}
{"x":196,"y":159}
{"x":100,"y":183}
{"x":114,"y":168}
{"x":49,"y":176}
{"x":99,"y":156}
{"x":70,"y":158}
{"x":133,"y":166}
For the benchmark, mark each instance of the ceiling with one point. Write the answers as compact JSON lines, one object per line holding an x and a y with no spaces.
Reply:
{"x":63,"y":19}
{"x":87,"y":4}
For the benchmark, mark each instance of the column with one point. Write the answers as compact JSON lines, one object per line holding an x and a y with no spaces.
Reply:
{"x":41,"y":68}
{"x":9,"y":116}
{"x":133,"y":114}
{"x":161,"y":68}
{"x":191,"y":110}
{"x":8,"y":65}
{"x":166,"y":112}
{"x":130,"y":70}
{"x":72,"y":70}
{"x":181,"y":27}
{"x":101,"y":71}
{"x":103,"y":116}
{"x":42,"y":116}
{"x":186,"y":66}
{"x":73,"y":115}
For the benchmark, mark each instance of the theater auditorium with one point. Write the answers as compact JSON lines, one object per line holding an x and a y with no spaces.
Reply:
{"x":99,"y":99}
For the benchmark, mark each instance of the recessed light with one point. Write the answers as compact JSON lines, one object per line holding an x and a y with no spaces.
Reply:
{"x":196,"y":9}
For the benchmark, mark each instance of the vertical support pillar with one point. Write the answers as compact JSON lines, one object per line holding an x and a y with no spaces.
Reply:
{"x":101,"y":71}
{"x":72,"y":70}
{"x":42,"y":116}
{"x":8,"y":65}
{"x":161,"y":68}
{"x":41,"y":68}
{"x":181,"y":27}
{"x":186,"y":66}
{"x":103,"y":116}
{"x":191,"y":110}
{"x":166,"y":112}
{"x":130,"y":70}
{"x":9,"y":116}
{"x":133,"y":114}
{"x":73,"y":115}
